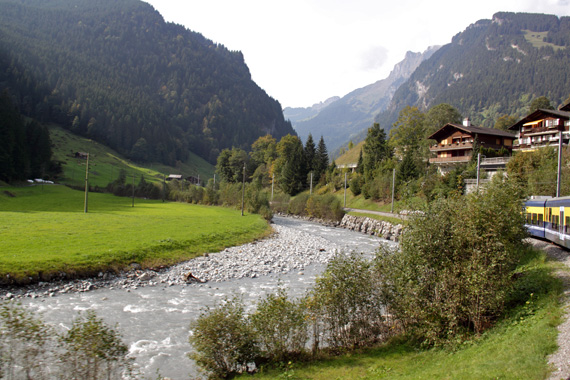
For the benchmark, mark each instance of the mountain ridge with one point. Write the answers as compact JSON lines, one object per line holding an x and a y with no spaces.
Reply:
{"x":346,"y":117}
{"x":493,"y":68}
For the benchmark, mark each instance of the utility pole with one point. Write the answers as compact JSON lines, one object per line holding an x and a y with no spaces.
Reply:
{"x":559,"y":174}
{"x":133,"y":190}
{"x":393,"y":188}
{"x":163,"y":187}
{"x":344,"y":189}
{"x":311,"y":191}
{"x":272,"y":183}
{"x":243,"y":190}
{"x":478,"y":165}
{"x":85,"y":208}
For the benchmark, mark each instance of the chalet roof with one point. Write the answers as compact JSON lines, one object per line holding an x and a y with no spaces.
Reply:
{"x":472,"y":130}
{"x":565,"y":107}
{"x":542,"y":114}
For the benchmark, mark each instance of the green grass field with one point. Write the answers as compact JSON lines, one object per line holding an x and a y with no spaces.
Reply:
{"x":105,"y":164}
{"x":515,"y":348}
{"x":44,"y":231}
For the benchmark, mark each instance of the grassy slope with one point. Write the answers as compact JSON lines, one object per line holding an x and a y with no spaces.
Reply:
{"x":44,"y":231}
{"x":105,"y":164}
{"x":516,"y":348}
{"x":350,"y":156}
{"x":537,"y":40}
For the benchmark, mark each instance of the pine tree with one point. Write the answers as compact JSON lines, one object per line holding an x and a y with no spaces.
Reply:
{"x":360,"y":164}
{"x":309,"y":155}
{"x":375,"y":150}
{"x":321,"y":161}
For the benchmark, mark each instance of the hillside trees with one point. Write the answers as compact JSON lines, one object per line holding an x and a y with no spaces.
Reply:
{"x":439,"y":115}
{"x":287,"y":160}
{"x":540,"y":102}
{"x":25,"y":148}
{"x":119,"y":74}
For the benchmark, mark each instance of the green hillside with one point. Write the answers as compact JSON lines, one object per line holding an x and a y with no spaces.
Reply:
{"x":105,"y":164}
{"x":350,"y":156}
{"x":116,"y":72}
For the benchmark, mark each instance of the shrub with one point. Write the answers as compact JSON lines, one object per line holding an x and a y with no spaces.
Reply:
{"x":29,"y":349}
{"x":325,"y":206}
{"x":345,"y":303}
{"x":223,"y":339}
{"x":93,"y":350}
{"x":453,"y":271}
{"x":356,"y":185}
{"x":280,"y":327}
{"x":298,"y":205}
{"x":280,"y":202}
{"x":27,"y":345}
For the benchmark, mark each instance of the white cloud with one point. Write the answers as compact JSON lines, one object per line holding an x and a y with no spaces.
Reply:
{"x":374,"y":58}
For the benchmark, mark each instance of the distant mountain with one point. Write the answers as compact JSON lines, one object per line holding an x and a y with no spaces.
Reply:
{"x":494,"y":67}
{"x":115,"y":71}
{"x":297,"y":114}
{"x":344,"y":118}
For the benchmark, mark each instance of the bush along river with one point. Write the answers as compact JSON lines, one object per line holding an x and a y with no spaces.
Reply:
{"x":152,"y":310}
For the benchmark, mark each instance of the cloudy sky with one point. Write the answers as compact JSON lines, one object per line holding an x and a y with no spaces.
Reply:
{"x":302,"y":52}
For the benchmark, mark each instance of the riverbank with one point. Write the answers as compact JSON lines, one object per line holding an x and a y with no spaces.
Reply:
{"x":362,"y":224}
{"x":286,"y":250}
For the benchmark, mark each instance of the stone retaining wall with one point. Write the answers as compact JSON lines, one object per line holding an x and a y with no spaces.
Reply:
{"x":371,"y":226}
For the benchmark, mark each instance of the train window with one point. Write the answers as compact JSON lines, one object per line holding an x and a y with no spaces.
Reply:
{"x":528,"y":218}
{"x":534,"y":219}
{"x":541,"y":220}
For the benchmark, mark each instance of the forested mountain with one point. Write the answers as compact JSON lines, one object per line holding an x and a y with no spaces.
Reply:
{"x":493,"y":68}
{"x":115,"y":71}
{"x":344,"y":118}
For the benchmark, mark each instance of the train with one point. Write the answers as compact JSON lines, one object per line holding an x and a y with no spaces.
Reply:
{"x":547,"y":218}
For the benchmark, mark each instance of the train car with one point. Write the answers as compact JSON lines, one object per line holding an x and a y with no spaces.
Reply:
{"x":535,"y":210}
{"x":557,"y":222}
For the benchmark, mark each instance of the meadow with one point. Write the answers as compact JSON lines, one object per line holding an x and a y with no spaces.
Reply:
{"x":105,"y":164}
{"x":44,"y":232}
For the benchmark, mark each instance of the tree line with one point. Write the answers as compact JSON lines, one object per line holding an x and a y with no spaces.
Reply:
{"x":288,"y":163}
{"x":25,"y":146}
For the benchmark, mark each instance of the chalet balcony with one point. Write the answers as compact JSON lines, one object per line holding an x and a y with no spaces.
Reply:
{"x":449,"y":160}
{"x":453,"y":146}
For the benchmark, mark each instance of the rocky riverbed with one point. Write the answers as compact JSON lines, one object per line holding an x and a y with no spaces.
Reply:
{"x":287,"y":250}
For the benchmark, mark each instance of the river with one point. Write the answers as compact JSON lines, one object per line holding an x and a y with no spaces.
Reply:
{"x":154,"y":320}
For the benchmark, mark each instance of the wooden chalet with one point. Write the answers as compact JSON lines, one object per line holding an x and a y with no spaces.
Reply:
{"x":454,"y":143}
{"x":542,"y":128}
